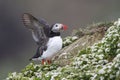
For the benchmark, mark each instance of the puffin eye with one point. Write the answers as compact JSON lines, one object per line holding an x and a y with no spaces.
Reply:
{"x":56,"y":25}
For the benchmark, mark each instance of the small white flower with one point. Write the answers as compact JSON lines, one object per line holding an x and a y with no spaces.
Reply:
{"x":8,"y":78}
{"x":68,"y":41}
{"x":101,"y":78}
{"x":47,"y":74}
{"x":107,"y":49}
{"x":118,"y":51}
{"x":101,"y":56}
{"x":52,"y":78}
{"x":83,"y":56}
{"x":109,"y":70}
{"x":64,"y":79}
{"x":117,"y":23}
{"x":107,"y":45}
{"x":116,"y":35}
{"x":39,"y":75}
{"x":117,"y":58}
{"x":30,"y":71}
{"x":84,"y":66}
{"x":35,"y":66}
{"x":102,"y":71}
{"x":116,"y":65}
{"x":109,"y":66}
{"x":100,"y":51}
{"x":118,"y":44}
{"x":14,"y":74}
{"x":74,"y":38}
{"x":26,"y":72}
{"x":32,"y":78}
{"x":111,"y":76}
{"x":117,"y":73}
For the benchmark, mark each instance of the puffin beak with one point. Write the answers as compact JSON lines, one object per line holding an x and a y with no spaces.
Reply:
{"x":64,"y":27}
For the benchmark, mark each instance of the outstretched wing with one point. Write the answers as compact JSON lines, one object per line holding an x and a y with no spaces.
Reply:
{"x":40,"y":28}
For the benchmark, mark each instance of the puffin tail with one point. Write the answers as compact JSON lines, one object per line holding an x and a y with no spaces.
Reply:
{"x":37,"y":56}
{"x":31,"y":59}
{"x":36,"y":59}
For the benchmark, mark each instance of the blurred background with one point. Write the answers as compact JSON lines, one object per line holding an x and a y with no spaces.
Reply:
{"x":16,"y":43}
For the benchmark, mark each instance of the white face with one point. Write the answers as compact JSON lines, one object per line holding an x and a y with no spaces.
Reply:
{"x":57,"y":27}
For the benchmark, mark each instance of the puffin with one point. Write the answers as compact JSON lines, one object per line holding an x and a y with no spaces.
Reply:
{"x":47,"y":38}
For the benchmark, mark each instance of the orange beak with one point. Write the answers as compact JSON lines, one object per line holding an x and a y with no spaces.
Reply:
{"x":64,"y":27}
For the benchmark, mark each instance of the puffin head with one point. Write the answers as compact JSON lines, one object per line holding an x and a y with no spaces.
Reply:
{"x":58,"y":27}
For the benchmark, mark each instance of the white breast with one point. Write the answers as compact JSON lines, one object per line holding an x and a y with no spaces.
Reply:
{"x":54,"y":45}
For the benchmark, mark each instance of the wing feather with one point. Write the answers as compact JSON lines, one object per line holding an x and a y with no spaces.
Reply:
{"x":40,"y":28}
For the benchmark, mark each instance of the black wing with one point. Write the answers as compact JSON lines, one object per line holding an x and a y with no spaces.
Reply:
{"x":40,"y":28}
{"x":40,"y":32}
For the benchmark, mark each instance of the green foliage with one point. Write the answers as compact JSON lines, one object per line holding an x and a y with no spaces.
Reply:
{"x":98,"y":62}
{"x":85,"y":51}
{"x":69,"y":40}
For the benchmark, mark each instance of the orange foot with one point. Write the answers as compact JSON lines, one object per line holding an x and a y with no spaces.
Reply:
{"x":43,"y":61}
{"x":49,"y":61}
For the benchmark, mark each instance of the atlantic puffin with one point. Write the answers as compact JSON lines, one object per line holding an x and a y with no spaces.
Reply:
{"x":47,"y":37}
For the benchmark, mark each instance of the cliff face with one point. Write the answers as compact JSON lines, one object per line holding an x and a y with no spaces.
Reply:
{"x":94,"y":55}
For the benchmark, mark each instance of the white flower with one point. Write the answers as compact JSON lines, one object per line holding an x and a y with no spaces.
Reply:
{"x":117,"y":73}
{"x":107,"y":49}
{"x":14,"y":74}
{"x":7,"y":78}
{"x":111,"y":76}
{"x":39,"y":75}
{"x":101,"y":56}
{"x":100,"y":51}
{"x":110,"y":29}
{"x":54,"y":75}
{"x":84,"y":66}
{"x":117,"y":58}
{"x":116,"y":65}
{"x":118,"y":44}
{"x":35,"y":66}
{"x":94,"y":76}
{"x":108,"y":66}
{"x":32,"y":78}
{"x":116,"y":35}
{"x":101,"y":78}
{"x":102,"y":71}
{"x":47,"y":74}
{"x":83,"y":56}
{"x":64,"y":79}
{"x":118,"y":51}
{"x":109,"y":70}
{"x":68,"y":41}
{"x":74,"y":38}
{"x":107,"y":45}
{"x":30,"y":71}
{"x":117,"y":23}
{"x":26,"y":72}
{"x":52,"y":78}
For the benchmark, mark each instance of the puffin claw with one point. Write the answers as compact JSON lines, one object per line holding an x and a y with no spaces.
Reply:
{"x":43,"y":61}
{"x":49,"y":61}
